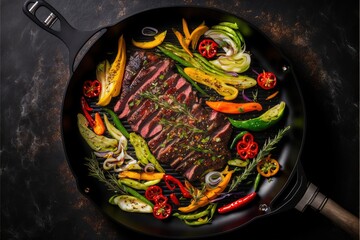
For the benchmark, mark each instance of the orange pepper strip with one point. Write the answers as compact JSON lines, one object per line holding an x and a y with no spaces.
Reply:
{"x":186,"y":31}
{"x":141,"y":175}
{"x":196,"y":34}
{"x":268,"y":167}
{"x":234,"y":108}
{"x":272,"y":95}
{"x":182,"y":41}
{"x":209,"y":195}
{"x":99,"y":126}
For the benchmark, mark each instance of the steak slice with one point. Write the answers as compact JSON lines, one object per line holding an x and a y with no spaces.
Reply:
{"x":181,"y":131}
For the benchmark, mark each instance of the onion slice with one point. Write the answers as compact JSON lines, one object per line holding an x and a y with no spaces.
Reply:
{"x":213,"y":178}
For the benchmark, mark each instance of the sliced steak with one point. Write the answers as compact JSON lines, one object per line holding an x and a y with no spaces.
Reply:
{"x":163,"y":108}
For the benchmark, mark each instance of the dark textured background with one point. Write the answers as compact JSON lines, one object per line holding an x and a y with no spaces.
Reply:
{"x":39,"y":198}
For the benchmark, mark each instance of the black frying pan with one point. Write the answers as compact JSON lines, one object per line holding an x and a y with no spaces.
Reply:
{"x":289,"y":190}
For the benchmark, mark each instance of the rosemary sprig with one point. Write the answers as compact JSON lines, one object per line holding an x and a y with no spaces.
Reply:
{"x":110,"y":180}
{"x":175,"y":106}
{"x":268,"y":146}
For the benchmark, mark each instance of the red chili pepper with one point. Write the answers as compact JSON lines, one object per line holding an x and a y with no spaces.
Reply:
{"x":208,"y":48}
{"x":153,"y":191}
{"x":91,"y":88}
{"x":97,"y":125}
{"x":85,"y":107}
{"x":238,"y":203}
{"x":247,"y":147}
{"x":174,"y":199}
{"x":171,"y":183}
{"x":266,"y":80}
{"x":162,"y":211}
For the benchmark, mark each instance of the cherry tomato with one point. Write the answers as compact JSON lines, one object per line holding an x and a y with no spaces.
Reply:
{"x":91,"y":88}
{"x":247,"y":147}
{"x":266,"y":80}
{"x":208,"y":48}
{"x":153,"y":191}
{"x":162,"y":211}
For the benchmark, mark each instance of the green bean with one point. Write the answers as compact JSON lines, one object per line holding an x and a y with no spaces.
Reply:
{"x":138,"y":195}
{"x":213,"y":210}
{"x":193,"y":216}
{"x":175,"y":57}
{"x":237,"y":138}
{"x":198,"y":222}
{"x":138,"y":185}
{"x":117,"y":122}
{"x":257,"y":180}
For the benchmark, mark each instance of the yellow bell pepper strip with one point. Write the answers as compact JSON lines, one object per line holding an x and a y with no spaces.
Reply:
{"x":234,"y":108}
{"x":141,"y":175}
{"x":212,"y":81}
{"x":102,"y":72}
{"x":111,"y":76}
{"x":210,"y":194}
{"x":118,"y":67}
{"x":158,"y":39}
{"x":182,"y":40}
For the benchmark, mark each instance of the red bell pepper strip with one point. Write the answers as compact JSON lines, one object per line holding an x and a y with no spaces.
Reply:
{"x":162,"y":211}
{"x":171,"y":182}
{"x":266,"y":80}
{"x":152,"y":191}
{"x":208,"y":48}
{"x":91,"y":88}
{"x":247,"y":147}
{"x":97,"y":125}
{"x":238,"y":203}
{"x":234,"y":108}
{"x":174,"y":199}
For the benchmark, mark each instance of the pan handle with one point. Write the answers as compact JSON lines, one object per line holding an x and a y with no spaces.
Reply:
{"x":330,"y":209}
{"x":74,"y":39}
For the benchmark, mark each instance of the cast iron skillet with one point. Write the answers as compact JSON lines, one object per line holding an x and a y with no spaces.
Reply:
{"x":288,"y":190}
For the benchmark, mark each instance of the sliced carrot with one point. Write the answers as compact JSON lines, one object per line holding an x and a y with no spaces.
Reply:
{"x":234,"y":108}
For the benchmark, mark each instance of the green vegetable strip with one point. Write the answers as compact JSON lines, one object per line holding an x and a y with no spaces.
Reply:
{"x":117,"y":122}
{"x":138,"y":195}
{"x":175,"y":57}
{"x":206,"y":65}
{"x":195,"y":85}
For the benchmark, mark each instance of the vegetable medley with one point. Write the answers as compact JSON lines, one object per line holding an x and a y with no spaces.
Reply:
{"x":215,"y":61}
